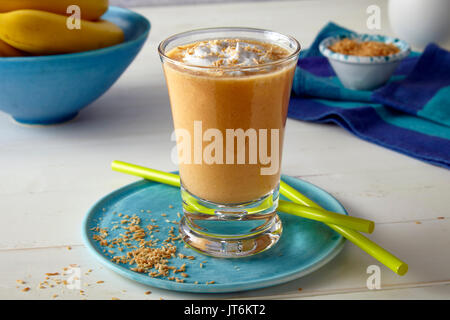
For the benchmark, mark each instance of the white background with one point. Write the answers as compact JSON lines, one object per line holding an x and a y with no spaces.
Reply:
{"x":50,"y":176}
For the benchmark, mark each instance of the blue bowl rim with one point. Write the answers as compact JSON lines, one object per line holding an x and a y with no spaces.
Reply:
{"x":142,"y":37}
{"x":404,"y":47}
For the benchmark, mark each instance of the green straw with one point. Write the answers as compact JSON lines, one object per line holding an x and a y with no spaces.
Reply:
{"x":300,"y":210}
{"x":326,"y":216}
{"x":292,"y":194}
{"x":385,"y":257}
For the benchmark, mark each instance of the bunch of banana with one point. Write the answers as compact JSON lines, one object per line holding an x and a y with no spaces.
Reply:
{"x":41,"y":27}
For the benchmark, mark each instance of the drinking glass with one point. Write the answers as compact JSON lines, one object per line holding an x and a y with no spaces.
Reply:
{"x":229,"y":127}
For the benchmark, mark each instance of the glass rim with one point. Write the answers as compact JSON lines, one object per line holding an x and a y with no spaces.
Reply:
{"x":163,"y":44}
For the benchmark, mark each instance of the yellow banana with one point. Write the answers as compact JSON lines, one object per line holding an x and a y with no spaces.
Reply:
{"x":90,"y":9}
{"x":7,"y":51}
{"x":42,"y":33}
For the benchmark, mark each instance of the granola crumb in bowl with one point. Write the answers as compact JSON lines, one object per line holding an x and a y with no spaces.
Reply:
{"x":354,"y":47}
{"x":364,"y":71}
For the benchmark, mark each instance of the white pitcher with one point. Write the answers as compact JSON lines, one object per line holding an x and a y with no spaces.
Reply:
{"x":420,"y":22}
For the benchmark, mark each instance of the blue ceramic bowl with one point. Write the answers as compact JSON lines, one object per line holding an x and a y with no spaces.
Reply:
{"x":53,"y":89}
{"x":364,"y":73}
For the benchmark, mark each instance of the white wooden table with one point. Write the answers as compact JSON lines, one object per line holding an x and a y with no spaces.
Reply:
{"x":50,"y":176}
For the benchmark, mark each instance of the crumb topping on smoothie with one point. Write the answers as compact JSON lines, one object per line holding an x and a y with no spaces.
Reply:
{"x":228,"y":53}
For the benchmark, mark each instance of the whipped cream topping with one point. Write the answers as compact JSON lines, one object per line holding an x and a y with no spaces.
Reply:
{"x":229,"y":53}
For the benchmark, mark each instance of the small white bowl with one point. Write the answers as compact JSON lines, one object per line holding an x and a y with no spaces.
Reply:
{"x":364,"y":73}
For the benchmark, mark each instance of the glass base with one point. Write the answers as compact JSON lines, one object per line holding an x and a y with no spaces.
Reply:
{"x":230,"y":230}
{"x":233,"y":247}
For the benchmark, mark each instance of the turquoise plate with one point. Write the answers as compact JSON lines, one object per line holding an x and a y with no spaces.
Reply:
{"x":304,"y":247}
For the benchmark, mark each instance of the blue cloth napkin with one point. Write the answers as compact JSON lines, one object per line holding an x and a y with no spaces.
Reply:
{"x":410,"y":114}
{"x":425,"y":92}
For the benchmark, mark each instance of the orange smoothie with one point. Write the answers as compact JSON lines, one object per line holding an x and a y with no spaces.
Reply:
{"x":217,"y":87}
